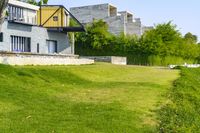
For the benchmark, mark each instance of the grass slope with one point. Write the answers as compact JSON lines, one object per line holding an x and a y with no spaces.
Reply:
{"x":100,"y":98}
{"x":182,"y":113}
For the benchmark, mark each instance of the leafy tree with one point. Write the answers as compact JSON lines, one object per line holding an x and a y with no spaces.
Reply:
{"x":190,"y":38}
{"x":42,"y":2}
{"x":151,"y":43}
{"x":35,"y":2}
{"x":162,"y":45}
{"x":162,"y":40}
{"x":96,"y":35}
{"x":3,"y":5}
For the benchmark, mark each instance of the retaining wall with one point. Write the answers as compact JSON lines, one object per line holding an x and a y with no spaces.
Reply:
{"x":111,"y":59}
{"x":33,"y":59}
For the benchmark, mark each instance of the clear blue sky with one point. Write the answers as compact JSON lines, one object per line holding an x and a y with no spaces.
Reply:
{"x":184,"y":13}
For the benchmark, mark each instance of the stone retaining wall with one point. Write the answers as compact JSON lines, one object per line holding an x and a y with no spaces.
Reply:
{"x":98,"y":58}
{"x":111,"y":59}
{"x":33,"y":59}
{"x":118,"y":60}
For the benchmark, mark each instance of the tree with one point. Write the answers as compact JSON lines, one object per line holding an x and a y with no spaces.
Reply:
{"x":96,"y":35}
{"x":190,"y":38}
{"x":162,"y":40}
{"x":41,"y":2}
{"x":3,"y":5}
{"x":35,"y":2}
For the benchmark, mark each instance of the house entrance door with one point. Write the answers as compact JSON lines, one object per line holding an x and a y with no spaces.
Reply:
{"x":52,"y":47}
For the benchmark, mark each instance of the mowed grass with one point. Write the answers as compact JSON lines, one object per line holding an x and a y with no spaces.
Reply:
{"x":100,"y":98}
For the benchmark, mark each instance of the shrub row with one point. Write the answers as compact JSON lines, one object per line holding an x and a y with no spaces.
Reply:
{"x":162,"y":45}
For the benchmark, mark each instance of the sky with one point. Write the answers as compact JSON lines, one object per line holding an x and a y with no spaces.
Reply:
{"x":184,"y":13}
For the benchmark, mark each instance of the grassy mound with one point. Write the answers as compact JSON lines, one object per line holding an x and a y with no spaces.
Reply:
{"x":81,"y":99}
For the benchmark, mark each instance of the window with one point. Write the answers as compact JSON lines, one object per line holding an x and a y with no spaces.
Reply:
{"x":20,"y":44}
{"x":38,"y":48}
{"x":55,"y":18}
{"x":52,"y":46}
{"x":1,"y":37}
{"x":15,"y":13}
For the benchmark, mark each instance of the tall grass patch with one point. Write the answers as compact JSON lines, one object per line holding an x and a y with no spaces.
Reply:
{"x":181,"y":114}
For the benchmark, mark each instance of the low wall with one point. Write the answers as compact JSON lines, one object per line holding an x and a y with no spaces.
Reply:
{"x":111,"y":59}
{"x":98,"y":58}
{"x":118,"y":60}
{"x":34,"y":59}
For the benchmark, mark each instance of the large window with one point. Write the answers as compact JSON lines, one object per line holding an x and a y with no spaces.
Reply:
{"x":15,"y":13}
{"x":20,"y":44}
{"x":52,"y":46}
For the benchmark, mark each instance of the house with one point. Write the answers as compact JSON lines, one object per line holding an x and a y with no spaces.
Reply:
{"x":38,"y":30}
{"x":118,"y":22}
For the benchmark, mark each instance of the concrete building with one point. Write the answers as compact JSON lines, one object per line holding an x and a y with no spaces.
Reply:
{"x":118,"y":22}
{"x":146,"y":28}
{"x":132,"y":25}
{"x":31,"y":29}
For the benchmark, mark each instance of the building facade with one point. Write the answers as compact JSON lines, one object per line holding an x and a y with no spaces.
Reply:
{"x":118,"y":22}
{"x":33,"y":29}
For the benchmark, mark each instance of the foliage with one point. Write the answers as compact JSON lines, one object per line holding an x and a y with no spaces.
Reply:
{"x":81,"y":99}
{"x":181,"y":114}
{"x":156,"y":45}
{"x":162,"y":40}
{"x":3,"y":5}
{"x":73,"y":23}
{"x":190,"y":38}
{"x":97,"y":35}
{"x":35,"y":2}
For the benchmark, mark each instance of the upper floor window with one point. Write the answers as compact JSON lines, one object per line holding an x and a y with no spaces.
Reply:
{"x":19,"y":14}
{"x":15,"y":13}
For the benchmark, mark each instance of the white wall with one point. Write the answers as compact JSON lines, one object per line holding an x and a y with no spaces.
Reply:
{"x":17,"y":59}
{"x":37,"y":35}
{"x":30,"y":16}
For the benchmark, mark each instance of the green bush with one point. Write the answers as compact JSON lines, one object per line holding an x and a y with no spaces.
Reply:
{"x":160,"y":46}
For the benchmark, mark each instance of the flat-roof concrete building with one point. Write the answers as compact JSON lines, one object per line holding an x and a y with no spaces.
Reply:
{"x":118,"y":22}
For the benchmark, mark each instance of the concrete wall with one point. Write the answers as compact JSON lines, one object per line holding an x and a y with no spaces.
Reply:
{"x":134,"y":28}
{"x":98,"y":58}
{"x":37,"y":35}
{"x":118,"y":23}
{"x":20,"y":59}
{"x":106,"y":12}
{"x":87,"y":14}
{"x":117,"y":60}
{"x":128,"y":16}
{"x":146,"y":28}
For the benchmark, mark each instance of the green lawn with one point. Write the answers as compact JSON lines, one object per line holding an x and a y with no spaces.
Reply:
{"x":100,"y":98}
